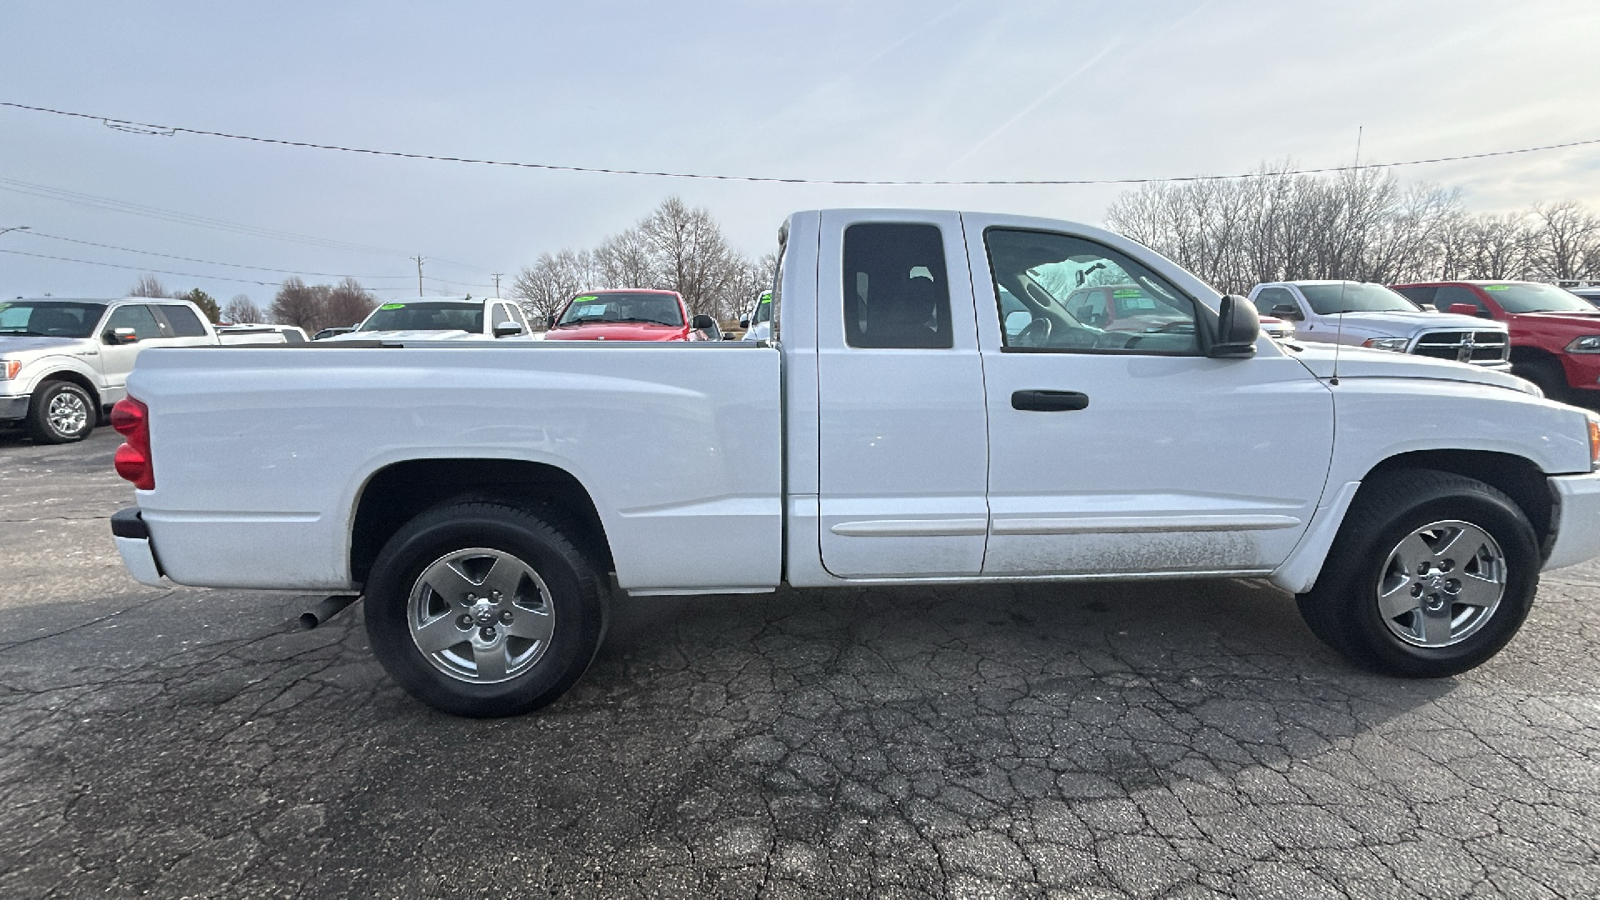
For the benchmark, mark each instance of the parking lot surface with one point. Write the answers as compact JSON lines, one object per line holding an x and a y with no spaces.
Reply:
{"x":1154,"y":740}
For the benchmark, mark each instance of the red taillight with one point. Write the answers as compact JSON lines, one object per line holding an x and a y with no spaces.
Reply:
{"x":131,"y":419}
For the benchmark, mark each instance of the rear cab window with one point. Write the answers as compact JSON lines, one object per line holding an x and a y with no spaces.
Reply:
{"x":896,"y":287}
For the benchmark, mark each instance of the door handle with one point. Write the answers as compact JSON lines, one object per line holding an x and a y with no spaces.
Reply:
{"x":1049,"y":401}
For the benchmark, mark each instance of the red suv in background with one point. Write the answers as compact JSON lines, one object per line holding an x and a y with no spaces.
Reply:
{"x":1555,"y":336}
{"x":629,"y":315}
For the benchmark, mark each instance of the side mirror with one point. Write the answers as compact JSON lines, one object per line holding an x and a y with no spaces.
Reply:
{"x":702,"y":323}
{"x":1238,"y":328}
{"x":119,"y":336}
{"x":1466,"y":309}
{"x":1287,"y":311}
{"x":744,"y":323}
{"x":507,"y":329}
{"x":727,"y":335}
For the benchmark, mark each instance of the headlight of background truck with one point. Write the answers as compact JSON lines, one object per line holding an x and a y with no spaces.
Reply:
{"x":1398,"y":345}
{"x":1589,"y":343}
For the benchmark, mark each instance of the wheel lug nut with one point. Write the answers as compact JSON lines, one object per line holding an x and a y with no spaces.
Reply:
{"x":506,"y":617}
{"x":464,"y":622}
{"x":487,"y":634}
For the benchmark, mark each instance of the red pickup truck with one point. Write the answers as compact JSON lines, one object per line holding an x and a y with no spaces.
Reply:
{"x":630,"y":315}
{"x":1555,"y":336}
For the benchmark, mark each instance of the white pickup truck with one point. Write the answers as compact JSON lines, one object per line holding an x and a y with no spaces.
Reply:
{"x":64,"y":361}
{"x":894,"y":429}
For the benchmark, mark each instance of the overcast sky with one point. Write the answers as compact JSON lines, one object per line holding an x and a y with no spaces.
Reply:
{"x":928,"y":90}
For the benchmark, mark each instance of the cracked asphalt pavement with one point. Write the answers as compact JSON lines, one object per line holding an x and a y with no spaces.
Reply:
{"x":1155,"y":740}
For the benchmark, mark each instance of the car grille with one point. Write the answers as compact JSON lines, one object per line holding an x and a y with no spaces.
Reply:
{"x":1477,"y":347}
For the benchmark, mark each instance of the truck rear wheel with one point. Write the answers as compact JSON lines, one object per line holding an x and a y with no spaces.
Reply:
{"x":484,"y":609}
{"x":60,"y":412}
{"x":1431,"y":575}
{"x":1548,"y":375}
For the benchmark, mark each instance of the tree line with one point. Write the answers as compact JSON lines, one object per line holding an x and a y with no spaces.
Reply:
{"x":1360,"y":225}
{"x":674,"y":248}
{"x":312,"y":307}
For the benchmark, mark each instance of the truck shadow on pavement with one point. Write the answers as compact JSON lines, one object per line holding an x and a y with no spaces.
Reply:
{"x":1123,"y":737}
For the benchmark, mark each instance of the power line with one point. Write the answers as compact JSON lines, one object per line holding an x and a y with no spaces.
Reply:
{"x":182,"y":218}
{"x":170,"y":130}
{"x":209,"y":262}
{"x":90,"y":262}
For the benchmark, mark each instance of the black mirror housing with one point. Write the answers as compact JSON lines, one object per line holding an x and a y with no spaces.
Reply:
{"x":702,"y":322}
{"x":1238,"y":329}
{"x":507,"y":329}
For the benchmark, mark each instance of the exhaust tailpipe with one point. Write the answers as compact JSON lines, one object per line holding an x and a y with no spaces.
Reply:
{"x":326,"y":609}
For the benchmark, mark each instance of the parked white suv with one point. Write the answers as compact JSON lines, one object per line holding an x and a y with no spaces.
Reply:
{"x":440,"y":318}
{"x":62,"y":362}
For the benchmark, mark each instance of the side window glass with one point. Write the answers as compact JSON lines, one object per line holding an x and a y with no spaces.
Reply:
{"x":1422,"y":296}
{"x":136,"y":316}
{"x":502,"y":316}
{"x":1269,"y":299}
{"x":183,"y":321}
{"x":1082,"y":296}
{"x":896,"y":293}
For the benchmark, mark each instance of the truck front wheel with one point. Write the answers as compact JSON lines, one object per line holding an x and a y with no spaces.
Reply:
{"x":484,"y":609}
{"x":1431,"y":574}
{"x":60,"y":412}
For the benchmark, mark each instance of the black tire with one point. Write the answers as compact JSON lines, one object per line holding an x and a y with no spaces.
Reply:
{"x":1344,"y":608}
{"x":1548,"y":375}
{"x":60,"y":412}
{"x":547,"y":628}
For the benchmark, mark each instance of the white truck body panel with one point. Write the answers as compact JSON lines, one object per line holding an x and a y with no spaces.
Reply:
{"x":274,"y":450}
{"x":736,"y":466}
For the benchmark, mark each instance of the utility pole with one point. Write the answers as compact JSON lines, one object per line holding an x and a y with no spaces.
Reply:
{"x":418,"y":258}
{"x":496,"y":276}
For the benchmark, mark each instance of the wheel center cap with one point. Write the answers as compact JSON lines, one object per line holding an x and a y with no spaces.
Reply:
{"x":483,"y":614}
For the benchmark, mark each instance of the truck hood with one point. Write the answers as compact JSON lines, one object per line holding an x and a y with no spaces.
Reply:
{"x":1359,"y":362}
{"x":1578,"y":322}
{"x":1405,"y":324}
{"x":440,"y":335}
{"x":617,"y":331}
{"x":15,"y":344}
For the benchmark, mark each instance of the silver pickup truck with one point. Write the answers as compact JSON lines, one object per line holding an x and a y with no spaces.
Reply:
{"x":63,"y":362}
{"x":1362,"y":314}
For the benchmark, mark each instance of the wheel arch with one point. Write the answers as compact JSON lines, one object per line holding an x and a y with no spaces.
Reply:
{"x":397,"y":493}
{"x":1517,"y":477}
{"x":74,"y":377}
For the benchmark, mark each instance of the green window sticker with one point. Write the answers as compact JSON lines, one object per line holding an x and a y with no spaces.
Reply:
{"x":1128,"y":292}
{"x":393,"y":306}
{"x":1497,"y":287}
{"x":587,"y":298}
{"x":765,"y":298}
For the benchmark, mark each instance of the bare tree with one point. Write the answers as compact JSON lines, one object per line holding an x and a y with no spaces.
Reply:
{"x":299,"y":304}
{"x":241,"y":309}
{"x":673,"y":248}
{"x":542,"y":288}
{"x":148,"y":286}
{"x":347,"y":303}
{"x":1567,"y":234}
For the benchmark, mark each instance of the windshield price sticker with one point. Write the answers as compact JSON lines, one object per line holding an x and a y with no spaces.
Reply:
{"x":1497,"y":287}
{"x":393,"y":306}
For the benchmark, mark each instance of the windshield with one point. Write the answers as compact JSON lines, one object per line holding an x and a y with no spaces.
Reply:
{"x":460,"y":315}
{"x":623,"y":306}
{"x":1525,"y":297}
{"x":50,"y":318}
{"x":763,"y":312}
{"x":1354,"y":296}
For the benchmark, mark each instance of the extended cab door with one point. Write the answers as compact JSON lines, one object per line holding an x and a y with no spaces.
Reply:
{"x":902,"y":461}
{"x":1131,"y":452}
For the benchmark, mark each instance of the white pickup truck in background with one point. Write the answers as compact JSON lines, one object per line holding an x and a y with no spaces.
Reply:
{"x":440,"y":318}
{"x":1363,"y":314}
{"x":898,"y":426}
{"x":62,"y":362}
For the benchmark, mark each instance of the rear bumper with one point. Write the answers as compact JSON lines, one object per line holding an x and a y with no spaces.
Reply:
{"x":1577,"y":519}
{"x":137,"y":550}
